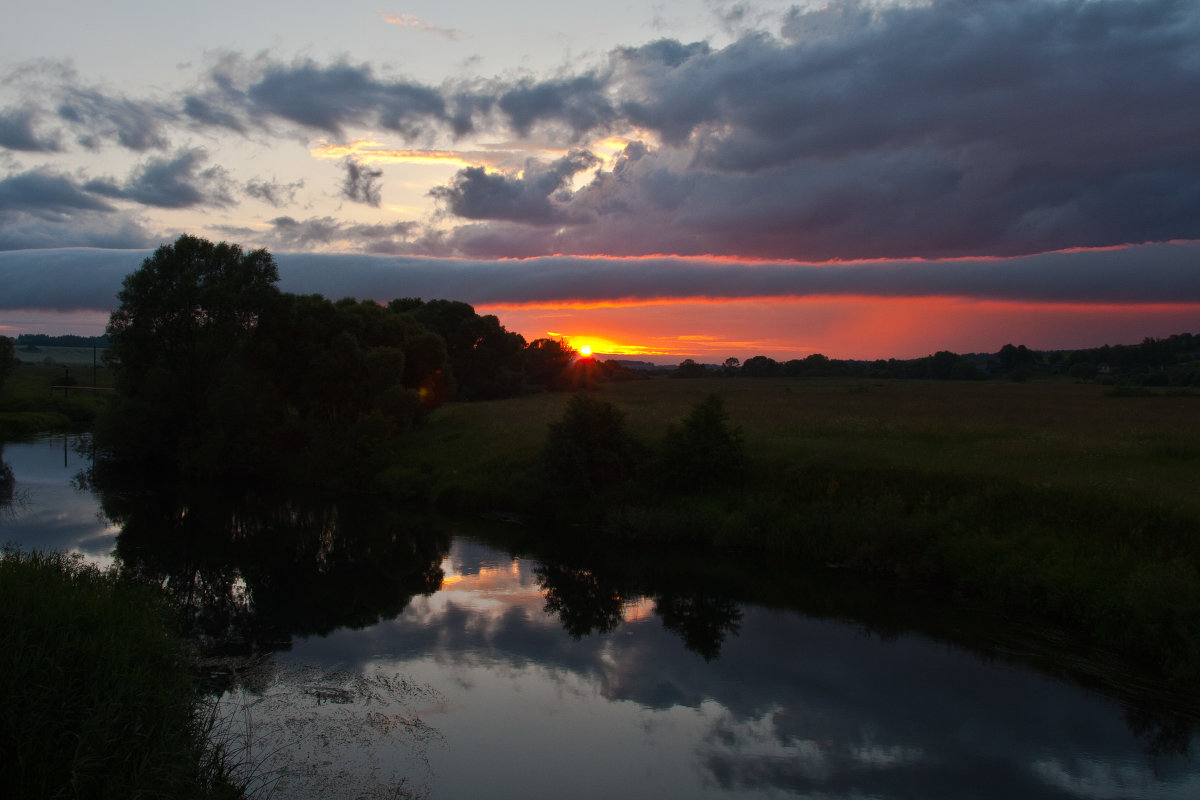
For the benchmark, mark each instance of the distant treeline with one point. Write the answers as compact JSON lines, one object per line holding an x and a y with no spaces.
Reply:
{"x":68,"y":340}
{"x":1173,"y":361}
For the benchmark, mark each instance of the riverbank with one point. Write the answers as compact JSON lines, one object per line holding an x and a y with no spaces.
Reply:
{"x":1048,"y":499}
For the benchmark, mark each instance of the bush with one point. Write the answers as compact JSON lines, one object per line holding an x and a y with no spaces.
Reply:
{"x":589,"y":449}
{"x":705,"y":452}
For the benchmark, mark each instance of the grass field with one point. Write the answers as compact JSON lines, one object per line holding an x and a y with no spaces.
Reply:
{"x":68,"y":356}
{"x":1053,"y":499}
{"x":1045,"y":434}
{"x":30,"y":403}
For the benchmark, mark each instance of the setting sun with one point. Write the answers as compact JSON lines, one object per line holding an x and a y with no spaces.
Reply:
{"x":585,"y":350}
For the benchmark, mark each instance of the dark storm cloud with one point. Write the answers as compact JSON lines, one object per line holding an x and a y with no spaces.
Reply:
{"x":997,"y":127}
{"x":1165,"y":273}
{"x":530,"y":198}
{"x":176,"y":182}
{"x":361,"y":183}
{"x":18,"y":132}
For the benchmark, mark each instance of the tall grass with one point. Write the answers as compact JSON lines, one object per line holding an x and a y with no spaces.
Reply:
{"x":97,"y":698}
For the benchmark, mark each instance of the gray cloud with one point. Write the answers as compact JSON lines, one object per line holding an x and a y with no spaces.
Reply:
{"x":98,"y":117}
{"x":989,"y":128}
{"x":273,"y":192}
{"x":532,"y":198}
{"x":45,"y":193}
{"x":361,"y":183}
{"x":579,"y":102}
{"x":176,"y":182}
{"x":18,"y":132}
{"x":330,"y":97}
{"x":43,"y":208}
{"x":1157,"y":273}
{"x":945,"y":129}
{"x":288,"y":233}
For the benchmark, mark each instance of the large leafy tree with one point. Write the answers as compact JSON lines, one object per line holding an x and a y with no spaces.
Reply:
{"x":177,"y":343}
{"x":8,"y":357}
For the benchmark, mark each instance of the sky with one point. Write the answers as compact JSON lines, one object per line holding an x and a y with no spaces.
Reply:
{"x":698,"y":178}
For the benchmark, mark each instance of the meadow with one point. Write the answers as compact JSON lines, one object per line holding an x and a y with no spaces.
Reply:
{"x":1058,"y":500}
{"x":29,"y":403}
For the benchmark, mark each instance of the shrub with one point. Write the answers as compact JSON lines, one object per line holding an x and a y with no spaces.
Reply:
{"x":705,"y":451}
{"x":589,"y":448}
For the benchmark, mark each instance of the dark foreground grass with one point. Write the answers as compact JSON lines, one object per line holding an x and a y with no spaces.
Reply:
{"x":98,"y":699}
{"x":1050,"y":500}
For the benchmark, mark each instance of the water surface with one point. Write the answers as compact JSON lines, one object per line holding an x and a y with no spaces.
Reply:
{"x":363,"y":652}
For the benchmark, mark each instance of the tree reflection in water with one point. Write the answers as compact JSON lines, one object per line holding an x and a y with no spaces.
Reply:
{"x":251,"y":571}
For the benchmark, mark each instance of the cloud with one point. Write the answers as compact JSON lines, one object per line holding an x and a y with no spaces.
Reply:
{"x":177,"y":182}
{"x":531,"y":198}
{"x":862,"y":130}
{"x":579,"y":102}
{"x":48,"y":194}
{"x":331,"y":97}
{"x":361,"y":183}
{"x":935,"y":130}
{"x":326,"y":233}
{"x":273,"y":192}
{"x":18,"y":132}
{"x":414,"y":23}
{"x":1149,"y":274}
{"x":98,"y":117}
{"x":44,"y":208}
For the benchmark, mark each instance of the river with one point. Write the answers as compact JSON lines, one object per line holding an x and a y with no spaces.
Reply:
{"x":358,"y":653}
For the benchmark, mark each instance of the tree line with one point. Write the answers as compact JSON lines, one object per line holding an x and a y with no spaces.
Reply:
{"x":1170,"y":361}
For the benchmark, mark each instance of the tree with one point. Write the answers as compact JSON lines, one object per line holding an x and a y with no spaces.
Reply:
{"x":185,"y":320}
{"x":589,"y":448}
{"x":705,"y":452}
{"x":546,"y":362}
{"x":689,"y":369}
{"x":760,"y":367}
{"x":8,"y":358}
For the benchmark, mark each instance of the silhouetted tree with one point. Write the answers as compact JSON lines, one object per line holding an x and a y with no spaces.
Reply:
{"x":705,"y":451}
{"x":546,"y":362}
{"x":689,"y":369}
{"x":185,"y":320}
{"x":589,"y":448}
{"x":8,"y":358}
{"x":761,"y":367}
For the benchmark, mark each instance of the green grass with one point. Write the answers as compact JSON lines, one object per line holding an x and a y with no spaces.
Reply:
{"x":99,"y":700}
{"x":29,"y":405}
{"x":1049,"y":499}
